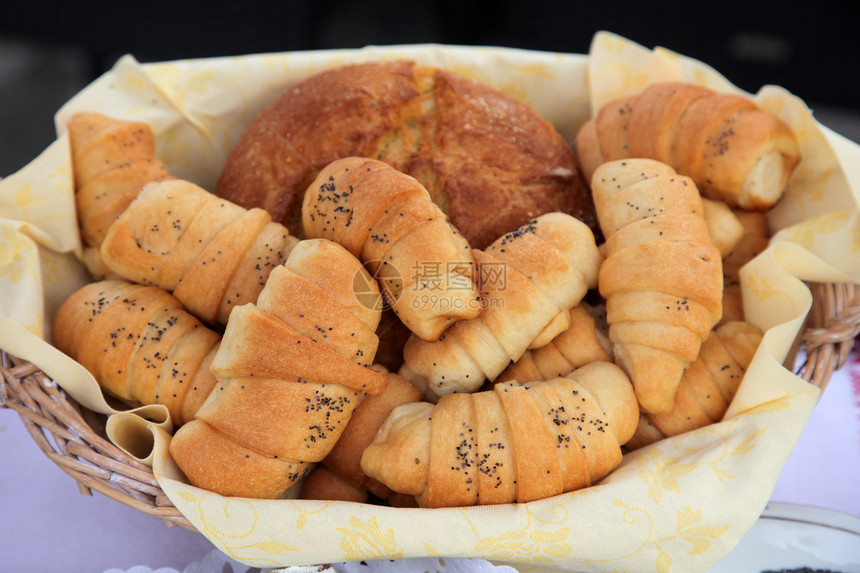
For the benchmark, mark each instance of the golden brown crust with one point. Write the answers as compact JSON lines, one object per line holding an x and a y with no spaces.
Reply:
{"x":755,"y":239}
{"x":211,"y":254}
{"x":289,"y":297}
{"x":399,"y":455}
{"x":139,"y":343}
{"x":268,"y":251}
{"x":580,"y":344}
{"x":452,"y":473}
{"x":245,"y":409}
{"x":386,"y":218}
{"x":198,"y":448}
{"x":662,"y":277}
{"x":257,"y":343}
{"x":522,"y":293}
{"x":326,"y":485}
{"x":186,"y":369}
{"x":600,"y":447}
{"x":305,"y":129}
{"x":490,"y":162}
{"x":289,"y":372}
{"x":680,"y":269}
{"x":101,"y":200}
{"x":108,"y":343}
{"x":707,"y":387}
{"x":707,"y":115}
{"x":654,"y":119}
{"x":345,"y":457}
{"x":101,"y":143}
{"x":82,"y":308}
{"x":203,"y":286}
{"x":724,"y":228}
{"x":331,"y":267}
{"x":611,"y":388}
{"x":612,"y":123}
{"x":510,"y":444}
{"x":201,"y":385}
{"x":111,"y":162}
{"x":588,"y":149}
{"x":497,"y":474}
{"x":538,"y":468}
{"x":734,"y":151}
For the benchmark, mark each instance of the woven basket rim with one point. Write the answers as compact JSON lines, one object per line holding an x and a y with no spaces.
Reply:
{"x":73,"y":437}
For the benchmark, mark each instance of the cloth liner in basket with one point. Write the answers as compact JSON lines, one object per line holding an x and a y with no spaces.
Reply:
{"x":678,"y":505}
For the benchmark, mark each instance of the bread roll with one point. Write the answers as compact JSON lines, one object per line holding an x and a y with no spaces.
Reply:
{"x":341,"y":474}
{"x":212,"y":255}
{"x":387,"y":219}
{"x":755,"y":239}
{"x":111,"y":161}
{"x":140,"y":345}
{"x":326,"y":485}
{"x":733,"y":151}
{"x":291,"y":370}
{"x":510,"y":444}
{"x":662,"y":277}
{"x":707,"y":387}
{"x":580,"y":344}
{"x":725,"y":230}
{"x":528,"y":279}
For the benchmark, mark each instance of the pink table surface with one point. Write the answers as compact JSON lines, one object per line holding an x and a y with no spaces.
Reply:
{"x":47,"y":525}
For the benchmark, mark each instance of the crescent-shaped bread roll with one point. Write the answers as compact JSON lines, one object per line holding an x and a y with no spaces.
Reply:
{"x":725,"y":229}
{"x":755,"y":239}
{"x":388,"y":220}
{"x":291,"y":370}
{"x":209,"y":253}
{"x":140,"y":344}
{"x":112,"y":160}
{"x":510,"y":444}
{"x":528,"y":280}
{"x":341,"y":473}
{"x":707,"y":387}
{"x":733,"y":150}
{"x":662,"y":277}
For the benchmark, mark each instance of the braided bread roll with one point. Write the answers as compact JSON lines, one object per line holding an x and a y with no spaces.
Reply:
{"x":291,"y":370}
{"x":111,"y":161}
{"x":707,"y":387}
{"x":510,"y":444}
{"x":581,"y":344}
{"x":211,"y":254}
{"x":140,"y":345}
{"x":733,"y":151}
{"x":389,"y":221}
{"x":529,"y":280}
{"x":662,"y":278}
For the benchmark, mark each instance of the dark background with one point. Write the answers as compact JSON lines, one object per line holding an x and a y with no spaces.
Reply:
{"x":49,"y":50}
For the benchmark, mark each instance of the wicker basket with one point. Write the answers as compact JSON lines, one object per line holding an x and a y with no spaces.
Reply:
{"x":74,"y":438}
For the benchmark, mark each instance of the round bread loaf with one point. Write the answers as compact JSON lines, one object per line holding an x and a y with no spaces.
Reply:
{"x":490,"y":162}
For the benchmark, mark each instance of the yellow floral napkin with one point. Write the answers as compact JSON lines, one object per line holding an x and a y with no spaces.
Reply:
{"x":679,"y":505}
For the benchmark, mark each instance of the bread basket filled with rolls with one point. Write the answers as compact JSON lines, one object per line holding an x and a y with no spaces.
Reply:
{"x":548,"y":310}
